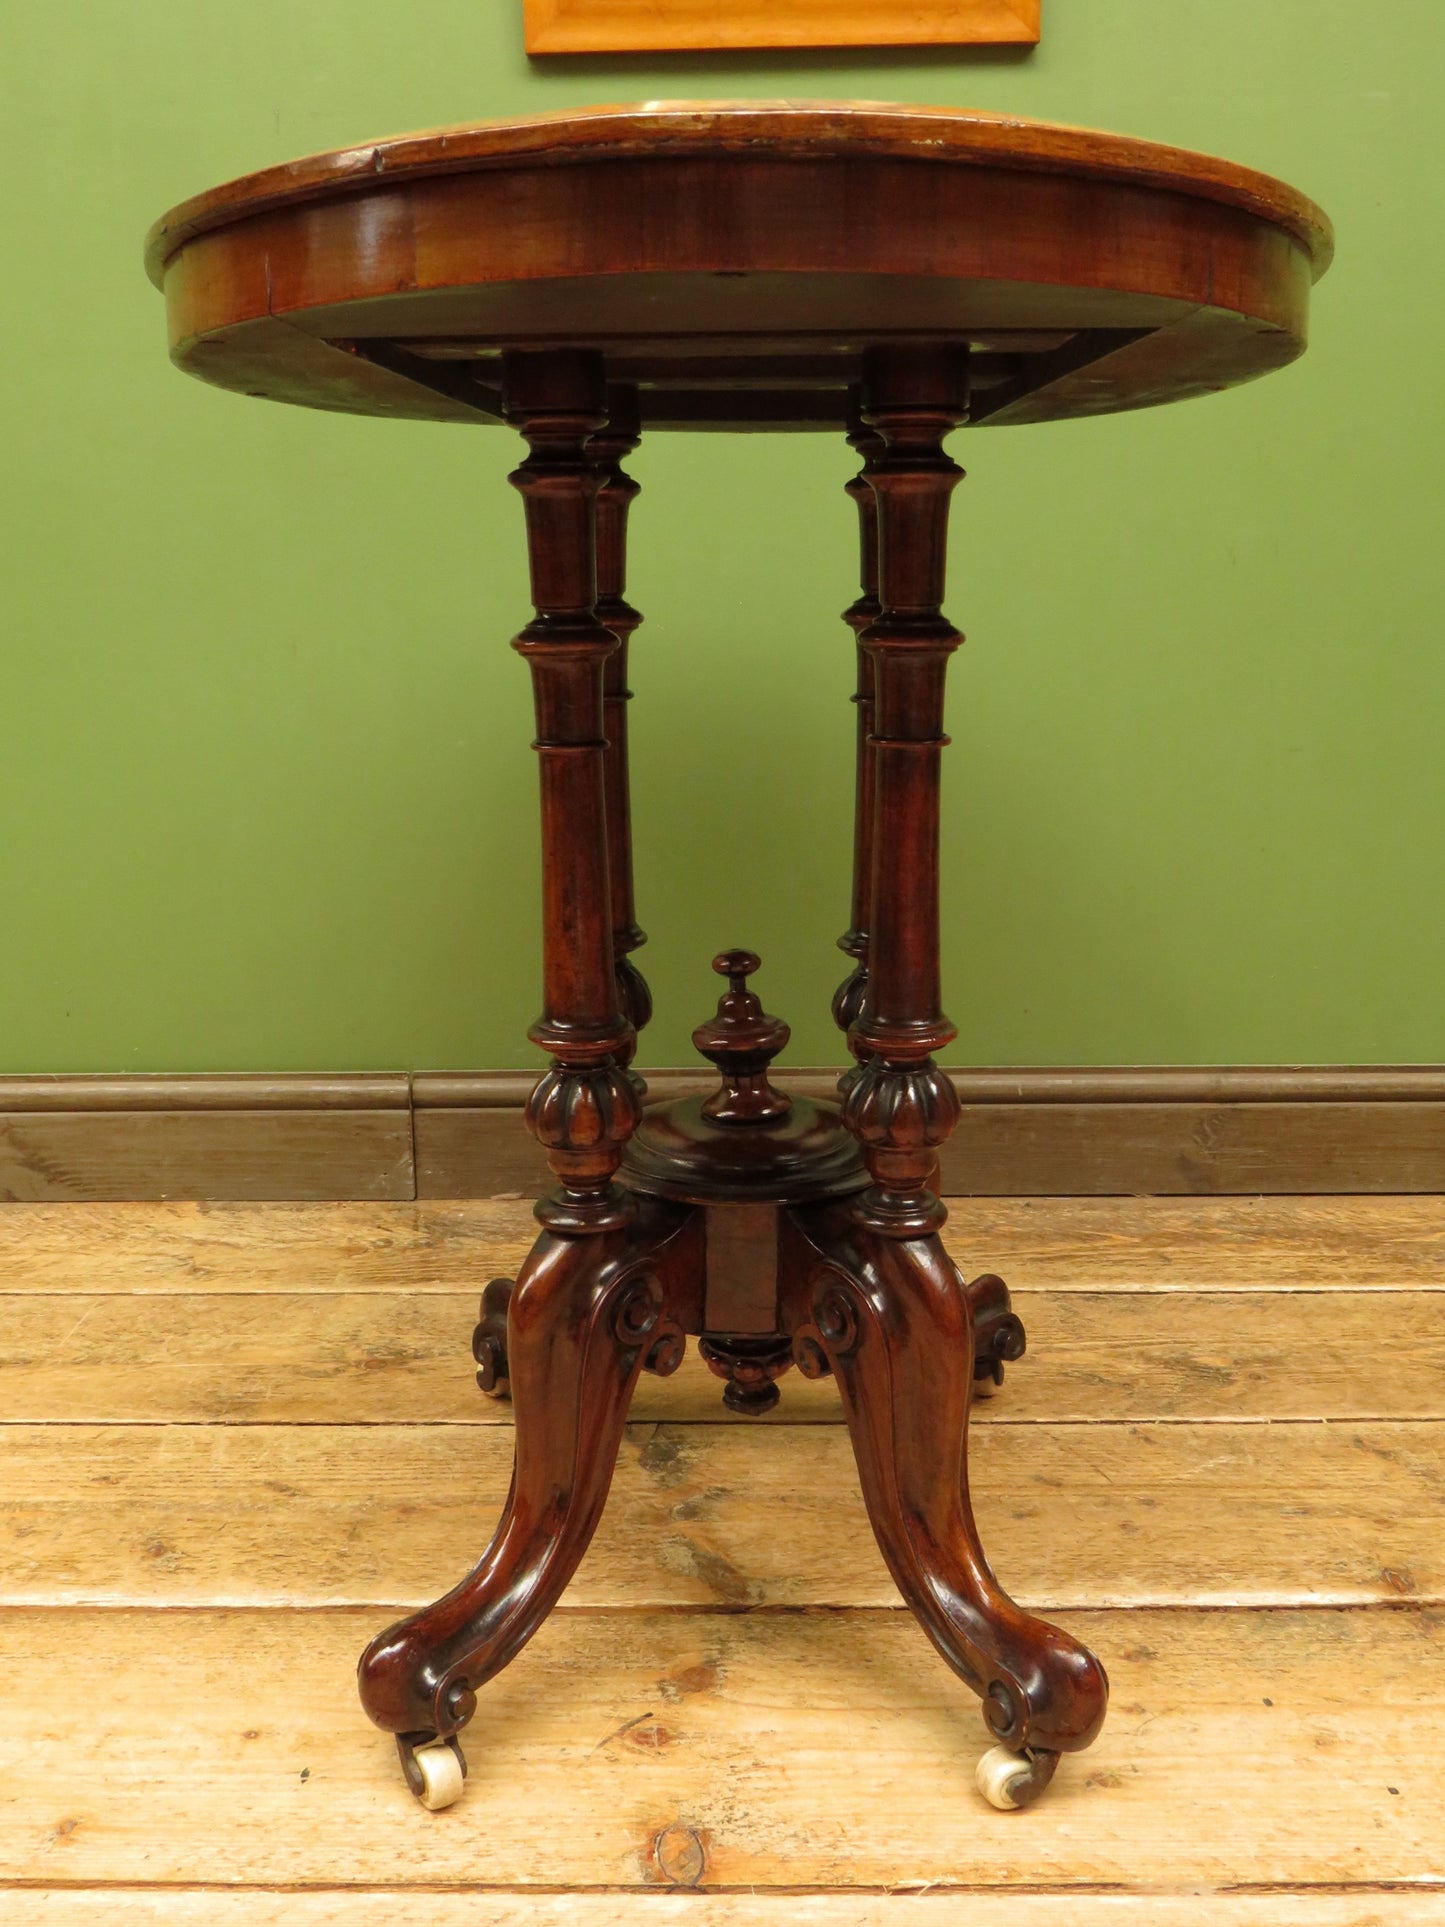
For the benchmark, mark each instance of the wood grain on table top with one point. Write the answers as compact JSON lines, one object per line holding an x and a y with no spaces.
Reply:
{"x":775,"y":128}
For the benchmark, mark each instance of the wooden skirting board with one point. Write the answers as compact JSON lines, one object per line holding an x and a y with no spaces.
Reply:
{"x":1024,"y":1133}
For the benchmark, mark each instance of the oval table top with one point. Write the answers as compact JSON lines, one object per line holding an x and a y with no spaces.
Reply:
{"x":735,"y":259}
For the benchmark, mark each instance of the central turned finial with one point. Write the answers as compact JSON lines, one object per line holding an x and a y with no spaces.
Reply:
{"x":742,"y":1040}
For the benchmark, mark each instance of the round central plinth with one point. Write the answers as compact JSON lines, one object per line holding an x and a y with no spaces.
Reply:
{"x":798,"y":1158}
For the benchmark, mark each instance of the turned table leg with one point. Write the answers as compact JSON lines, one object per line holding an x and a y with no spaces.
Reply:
{"x":585,"y":1107}
{"x":878,"y":1301}
{"x":615,"y":492}
{"x":901,"y":1107}
{"x":859,"y":615}
{"x":617,"y":438}
{"x":998,"y":1332}
{"x":613,"y":1281}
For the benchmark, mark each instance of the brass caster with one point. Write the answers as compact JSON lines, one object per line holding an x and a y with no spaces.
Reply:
{"x":1007,"y":1779}
{"x":435,"y":1771}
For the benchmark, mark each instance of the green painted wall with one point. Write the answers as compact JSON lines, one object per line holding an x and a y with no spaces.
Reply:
{"x":265,"y":789}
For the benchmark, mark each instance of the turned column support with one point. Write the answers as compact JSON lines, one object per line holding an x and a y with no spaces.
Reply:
{"x":901,"y":1107}
{"x":859,"y":615}
{"x":607,"y":448}
{"x":585,"y":1107}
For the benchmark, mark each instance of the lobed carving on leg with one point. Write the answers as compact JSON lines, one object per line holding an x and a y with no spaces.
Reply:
{"x":900,"y":1114}
{"x":576,"y":1110}
{"x":582,"y":1115}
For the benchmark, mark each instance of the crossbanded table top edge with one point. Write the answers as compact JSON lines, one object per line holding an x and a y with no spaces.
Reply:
{"x":776,"y":130}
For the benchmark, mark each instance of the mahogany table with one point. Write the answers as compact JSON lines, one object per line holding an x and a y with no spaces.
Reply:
{"x":888,"y":273}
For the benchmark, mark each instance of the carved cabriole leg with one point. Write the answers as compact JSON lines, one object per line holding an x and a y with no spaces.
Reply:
{"x":848,"y":1002}
{"x":585,"y":1107}
{"x":901,"y":1107}
{"x":607,"y":448}
{"x":869,"y":1292}
{"x":614,"y":1281}
{"x":588,"y":1314}
{"x":614,"y":494}
{"x":892,"y":1319}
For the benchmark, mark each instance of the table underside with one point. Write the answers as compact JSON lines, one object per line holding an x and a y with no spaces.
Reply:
{"x":794,"y":377}
{"x":685,"y":344}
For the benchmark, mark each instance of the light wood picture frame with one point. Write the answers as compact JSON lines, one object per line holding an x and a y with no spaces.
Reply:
{"x":704,"y":26}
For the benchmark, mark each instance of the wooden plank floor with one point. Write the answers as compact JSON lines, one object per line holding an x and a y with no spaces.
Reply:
{"x":236,"y":1436}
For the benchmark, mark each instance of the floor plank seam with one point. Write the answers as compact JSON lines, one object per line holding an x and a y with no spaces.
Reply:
{"x":1421,"y":1603}
{"x":717,"y":1424}
{"x":464,"y":1288}
{"x":1425,"y":1886}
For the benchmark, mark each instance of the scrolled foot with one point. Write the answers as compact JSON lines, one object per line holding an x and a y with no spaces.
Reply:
{"x":435,"y":1768}
{"x":1008,"y":1780}
{"x":489,"y":1340}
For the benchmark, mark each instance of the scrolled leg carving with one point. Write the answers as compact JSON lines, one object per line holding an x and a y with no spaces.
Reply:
{"x":666,"y":1352}
{"x":489,"y":1340}
{"x":892,"y":1320}
{"x":587,"y":1315}
{"x":998,"y":1332}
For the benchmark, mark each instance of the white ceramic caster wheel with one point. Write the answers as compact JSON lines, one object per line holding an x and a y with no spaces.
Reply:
{"x":987,"y":1387}
{"x":441,"y":1775}
{"x":1003,"y":1778}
